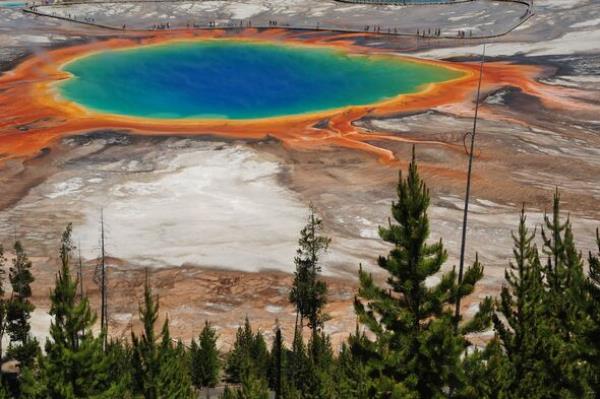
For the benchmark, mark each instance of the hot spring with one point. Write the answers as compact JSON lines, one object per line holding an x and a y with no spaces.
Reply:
{"x":12,"y":4}
{"x":228,"y":79}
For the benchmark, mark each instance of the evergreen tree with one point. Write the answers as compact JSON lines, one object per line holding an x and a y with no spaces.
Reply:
{"x":277,"y":365}
{"x":145,"y":356}
{"x":591,"y":329}
{"x":247,"y":364}
{"x":249,"y":355}
{"x":6,"y":384}
{"x":159,"y":369}
{"x":544,"y":315}
{"x":22,"y":346}
{"x":309,"y":292}
{"x":320,"y":347}
{"x":322,"y":366}
{"x":564,"y":307}
{"x":119,"y":355}
{"x":173,"y":379}
{"x":205,"y":363}
{"x":309,"y":376}
{"x":253,"y":387}
{"x":195,"y":363}
{"x":351,"y":374}
{"x":259,"y":355}
{"x":74,"y":365}
{"x":3,"y":300}
{"x":229,"y":393}
{"x":239,"y":358}
{"x":299,"y":370}
{"x":418,"y":350}
{"x":489,"y":374}
{"x":563,"y":271}
{"x":522,"y":331}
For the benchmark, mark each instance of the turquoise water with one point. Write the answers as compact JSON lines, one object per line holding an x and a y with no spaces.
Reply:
{"x":404,"y":2}
{"x":12,"y":4}
{"x":237,"y":80}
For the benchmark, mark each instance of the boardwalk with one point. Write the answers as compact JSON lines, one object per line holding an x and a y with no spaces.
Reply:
{"x":470,"y":19}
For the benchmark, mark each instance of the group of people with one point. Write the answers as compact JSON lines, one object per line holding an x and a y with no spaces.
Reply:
{"x":88,"y":20}
{"x":162,"y":26}
{"x":374,"y":28}
{"x":395,"y":31}
{"x":211,"y":24}
{"x":437,"y":32}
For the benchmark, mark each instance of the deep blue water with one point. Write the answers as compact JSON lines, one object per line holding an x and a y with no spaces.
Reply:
{"x":237,"y":80}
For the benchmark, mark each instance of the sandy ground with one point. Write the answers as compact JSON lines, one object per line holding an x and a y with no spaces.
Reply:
{"x":217,"y":221}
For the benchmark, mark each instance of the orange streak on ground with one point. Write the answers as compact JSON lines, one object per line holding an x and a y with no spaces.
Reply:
{"x":34,"y":117}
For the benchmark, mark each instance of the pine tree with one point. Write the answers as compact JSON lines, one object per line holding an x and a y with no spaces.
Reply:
{"x":253,"y":387}
{"x":564,"y":306}
{"x":145,"y":357}
{"x":591,"y":330}
{"x":304,"y":378}
{"x":322,"y":353}
{"x":322,"y":367}
{"x":118,"y":354}
{"x":282,"y":368}
{"x":229,"y":393}
{"x":205,"y":362}
{"x":3,"y":300}
{"x":6,"y":384}
{"x":351,"y":372}
{"x":563,"y":269}
{"x":277,"y":365}
{"x":249,"y":354}
{"x":159,"y":369}
{"x":309,"y":296}
{"x":239,"y":358}
{"x":247,"y":364}
{"x":418,"y":349}
{"x":522,"y":331}
{"x":173,"y":379}
{"x":309,"y":292}
{"x":74,"y":365}
{"x":298,"y":368}
{"x":259,"y":355}
{"x":4,"y":394}
{"x":22,"y":346}
{"x":489,"y":374}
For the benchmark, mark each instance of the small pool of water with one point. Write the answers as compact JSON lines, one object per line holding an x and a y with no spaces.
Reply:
{"x":12,"y":4}
{"x":231,"y":79}
{"x":404,"y":2}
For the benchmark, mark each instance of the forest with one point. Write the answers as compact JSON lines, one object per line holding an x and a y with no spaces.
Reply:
{"x":542,"y":333}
